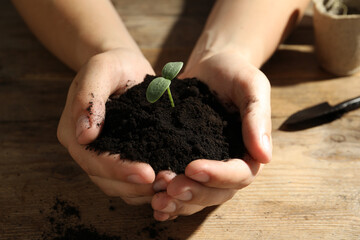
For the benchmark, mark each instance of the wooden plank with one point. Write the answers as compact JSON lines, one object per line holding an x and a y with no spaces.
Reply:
{"x":292,"y":97}
{"x":163,"y":7}
{"x":32,"y":100}
{"x":308,"y":189}
{"x":173,"y":32}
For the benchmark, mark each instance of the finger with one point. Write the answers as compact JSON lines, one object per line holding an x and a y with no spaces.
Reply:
{"x":137,"y":200}
{"x":160,"y":216}
{"x":165,"y":207}
{"x":234,"y":173}
{"x":133,"y":194}
{"x":92,"y":87}
{"x":102,"y":76}
{"x":189,"y":191}
{"x":162,"y":180}
{"x":253,"y":99}
{"x":111,"y":166}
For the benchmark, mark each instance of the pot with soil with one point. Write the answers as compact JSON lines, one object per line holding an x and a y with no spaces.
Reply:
{"x":143,"y":125}
{"x":337,"y":35}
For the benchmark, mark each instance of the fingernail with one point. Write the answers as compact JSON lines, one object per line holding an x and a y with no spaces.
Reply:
{"x":159,"y":185}
{"x":185,"y":196}
{"x":82,"y":123}
{"x":171,"y":207}
{"x":200,"y":177}
{"x":135,"y":179}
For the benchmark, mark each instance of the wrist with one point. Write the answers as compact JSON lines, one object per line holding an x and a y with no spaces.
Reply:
{"x":123,"y":63}
{"x":128,"y":44}
{"x":212,"y":42}
{"x":85,"y":53}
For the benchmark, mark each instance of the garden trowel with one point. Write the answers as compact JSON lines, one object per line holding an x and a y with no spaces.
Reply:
{"x":319,"y":114}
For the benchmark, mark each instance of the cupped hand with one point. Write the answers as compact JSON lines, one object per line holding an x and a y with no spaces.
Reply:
{"x":239,"y":83}
{"x":105,"y":74}
{"x":207,"y":182}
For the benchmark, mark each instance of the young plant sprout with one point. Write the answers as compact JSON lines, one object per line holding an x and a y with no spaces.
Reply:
{"x":159,"y":85}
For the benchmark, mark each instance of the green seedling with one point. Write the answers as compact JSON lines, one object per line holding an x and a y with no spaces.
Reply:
{"x":159,"y":85}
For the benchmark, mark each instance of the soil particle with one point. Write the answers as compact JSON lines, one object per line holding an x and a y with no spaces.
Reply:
{"x":198,"y":127}
{"x":66,"y":209}
{"x":89,"y":109}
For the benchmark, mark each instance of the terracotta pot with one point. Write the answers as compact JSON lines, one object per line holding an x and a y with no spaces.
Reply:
{"x":337,"y":38}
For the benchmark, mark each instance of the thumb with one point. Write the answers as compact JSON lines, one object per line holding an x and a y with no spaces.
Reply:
{"x":89,"y":116}
{"x":91,"y":88}
{"x":253,"y":100}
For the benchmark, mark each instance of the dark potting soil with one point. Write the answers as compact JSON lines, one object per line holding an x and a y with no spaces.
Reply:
{"x":339,"y":10}
{"x":198,"y":127}
{"x":350,"y":11}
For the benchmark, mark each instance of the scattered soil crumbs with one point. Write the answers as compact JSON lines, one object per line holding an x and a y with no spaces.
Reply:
{"x":198,"y":127}
{"x":64,"y":223}
{"x":154,"y":231}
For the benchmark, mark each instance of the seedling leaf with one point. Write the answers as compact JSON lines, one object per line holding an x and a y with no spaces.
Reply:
{"x":157,"y":88}
{"x":171,"y":69}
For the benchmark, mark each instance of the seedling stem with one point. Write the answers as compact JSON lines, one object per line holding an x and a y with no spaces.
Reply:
{"x":170,"y":97}
{"x":159,"y":85}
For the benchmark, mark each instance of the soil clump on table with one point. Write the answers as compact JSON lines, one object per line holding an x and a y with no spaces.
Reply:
{"x":65,"y":224}
{"x":169,"y":138}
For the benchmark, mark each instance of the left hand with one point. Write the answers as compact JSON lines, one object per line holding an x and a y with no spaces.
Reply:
{"x":207,"y":182}
{"x":105,"y":74}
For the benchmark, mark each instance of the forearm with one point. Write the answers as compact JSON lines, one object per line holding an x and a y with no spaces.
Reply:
{"x":75,"y":30}
{"x":253,"y":27}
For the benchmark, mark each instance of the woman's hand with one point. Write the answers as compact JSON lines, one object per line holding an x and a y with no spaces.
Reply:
{"x":108,"y":73}
{"x":206,"y":182}
{"x":237,"y":82}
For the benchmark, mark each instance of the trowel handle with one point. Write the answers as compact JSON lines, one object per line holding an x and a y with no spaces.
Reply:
{"x":348,"y":105}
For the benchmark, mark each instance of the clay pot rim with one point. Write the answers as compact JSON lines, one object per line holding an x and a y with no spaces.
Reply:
{"x":320,"y":8}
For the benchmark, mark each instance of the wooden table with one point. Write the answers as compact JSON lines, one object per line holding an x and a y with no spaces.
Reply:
{"x":311,"y":190}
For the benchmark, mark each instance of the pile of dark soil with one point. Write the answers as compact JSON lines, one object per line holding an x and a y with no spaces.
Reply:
{"x":198,"y":127}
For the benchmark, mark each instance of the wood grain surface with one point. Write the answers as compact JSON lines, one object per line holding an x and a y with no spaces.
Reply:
{"x":311,"y":190}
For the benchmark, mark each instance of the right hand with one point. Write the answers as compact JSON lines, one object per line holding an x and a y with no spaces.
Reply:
{"x":111,"y":72}
{"x":207,"y":182}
